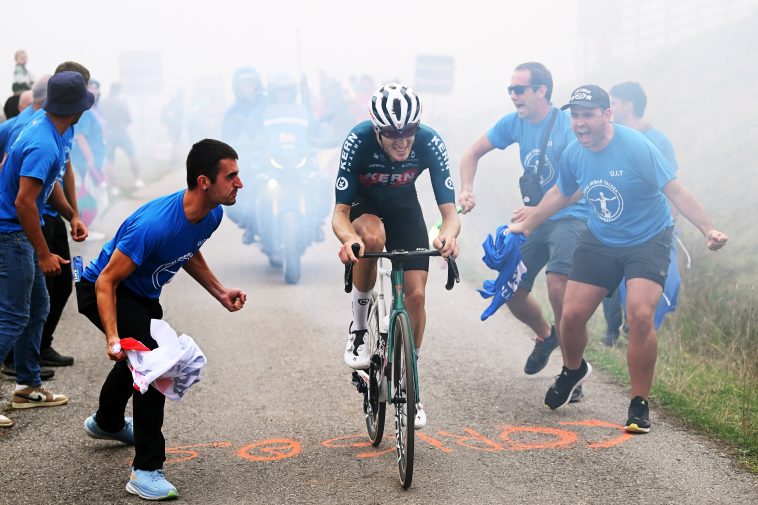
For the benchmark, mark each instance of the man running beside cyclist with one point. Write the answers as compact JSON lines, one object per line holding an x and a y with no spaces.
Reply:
{"x":377,"y":207}
{"x":542,"y":132}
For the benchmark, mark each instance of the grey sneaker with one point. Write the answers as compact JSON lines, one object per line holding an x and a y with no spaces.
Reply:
{"x":537,"y":360}
{"x":125,"y":435}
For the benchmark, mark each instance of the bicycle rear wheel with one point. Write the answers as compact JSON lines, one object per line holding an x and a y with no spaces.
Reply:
{"x":403,"y":396}
{"x":373,"y":406}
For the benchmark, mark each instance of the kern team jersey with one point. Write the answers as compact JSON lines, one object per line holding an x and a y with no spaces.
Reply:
{"x":366,"y":170}
{"x":622,"y":186}
{"x":511,"y":129}
{"x":39,"y":152}
{"x":159,"y":240}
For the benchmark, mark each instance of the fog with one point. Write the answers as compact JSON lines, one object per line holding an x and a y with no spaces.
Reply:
{"x":681,"y":51}
{"x":208,"y":40}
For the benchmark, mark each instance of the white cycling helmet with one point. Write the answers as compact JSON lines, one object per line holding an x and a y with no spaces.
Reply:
{"x":395,"y":110}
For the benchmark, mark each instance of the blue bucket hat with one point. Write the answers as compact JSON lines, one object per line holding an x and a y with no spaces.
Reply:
{"x":67,"y":94}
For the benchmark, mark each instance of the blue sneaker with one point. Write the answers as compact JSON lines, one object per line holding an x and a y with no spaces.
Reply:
{"x":125,"y":435}
{"x":151,"y":485}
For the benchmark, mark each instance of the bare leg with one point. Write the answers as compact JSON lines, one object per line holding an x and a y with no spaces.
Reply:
{"x":528,"y":311}
{"x":642,"y":297}
{"x":556,"y":288}
{"x":579,"y":304}
{"x":415,"y":299}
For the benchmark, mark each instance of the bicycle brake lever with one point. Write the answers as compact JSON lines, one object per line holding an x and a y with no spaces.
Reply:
{"x":349,"y":269}
{"x":453,"y":276}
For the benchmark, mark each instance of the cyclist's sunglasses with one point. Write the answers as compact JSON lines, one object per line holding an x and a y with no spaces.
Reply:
{"x":520,"y":89}
{"x":392,"y":133}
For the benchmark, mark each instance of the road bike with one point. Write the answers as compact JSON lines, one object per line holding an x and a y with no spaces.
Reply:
{"x":392,"y":372}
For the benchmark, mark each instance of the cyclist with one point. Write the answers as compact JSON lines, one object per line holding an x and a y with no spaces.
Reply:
{"x":377,"y":207}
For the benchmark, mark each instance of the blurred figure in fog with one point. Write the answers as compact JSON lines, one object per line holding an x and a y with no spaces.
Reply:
{"x":248,"y":98}
{"x":289,"y":134}
{"x":335,"y":107}
{"x":10,"y":128}
{"x":363,"y":88}
{"x":22,"y":79}
{"x":238,"y":128}
{"x":87,"y":159}
{"x":628,"y":102}
{"x":172,"y":117}
{"x":117,"y":118}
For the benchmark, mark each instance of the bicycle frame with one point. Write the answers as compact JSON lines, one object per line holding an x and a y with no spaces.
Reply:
{"x":397,"y":280}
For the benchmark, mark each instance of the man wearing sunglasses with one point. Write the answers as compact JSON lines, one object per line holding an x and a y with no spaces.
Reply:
{"x":536,"y":123}
{"x":377,"y":207}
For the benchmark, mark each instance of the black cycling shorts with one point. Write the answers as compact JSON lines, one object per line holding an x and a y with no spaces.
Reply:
{"x":404,"y":226}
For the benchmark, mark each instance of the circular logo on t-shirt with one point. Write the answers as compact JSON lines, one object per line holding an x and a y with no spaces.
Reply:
{"x":547,"y":173}
{"x":449,"y":183}
{"x":341,"y":183}
{"x":604,"y":200}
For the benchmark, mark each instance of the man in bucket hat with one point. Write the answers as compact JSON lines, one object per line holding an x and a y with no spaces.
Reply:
{"x":625,"y":180}
{"x":27,"y":182}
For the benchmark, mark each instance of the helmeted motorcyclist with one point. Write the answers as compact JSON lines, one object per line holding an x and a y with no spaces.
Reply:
{"x":238,"y":128}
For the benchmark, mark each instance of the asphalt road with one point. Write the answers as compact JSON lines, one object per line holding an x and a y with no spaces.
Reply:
{"x":276,"y":420}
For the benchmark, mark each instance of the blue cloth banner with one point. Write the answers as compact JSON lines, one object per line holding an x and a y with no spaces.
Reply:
{"x":502,"y":254}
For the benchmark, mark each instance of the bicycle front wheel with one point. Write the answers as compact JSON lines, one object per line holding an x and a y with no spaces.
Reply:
{"x":403,"y":396}
{"x":374,"y":406}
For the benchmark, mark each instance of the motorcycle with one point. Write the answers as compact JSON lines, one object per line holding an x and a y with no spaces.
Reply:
{"x":290,"y":195}
{"x":286,"y":214}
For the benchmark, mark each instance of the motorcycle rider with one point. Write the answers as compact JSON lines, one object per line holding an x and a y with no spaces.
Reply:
{"x":238,"y":128}
{"x":377,"y":206}
{"x":288,"y":133}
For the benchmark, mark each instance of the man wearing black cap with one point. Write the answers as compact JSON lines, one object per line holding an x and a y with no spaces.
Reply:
{"x":27,"y":181}
{"x":625,"y":180}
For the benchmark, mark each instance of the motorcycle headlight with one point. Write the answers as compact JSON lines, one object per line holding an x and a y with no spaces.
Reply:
{"x":272,"y":185}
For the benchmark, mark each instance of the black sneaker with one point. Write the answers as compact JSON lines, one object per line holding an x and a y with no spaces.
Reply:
{"x":639,"y":416}
{"x":541,"y":353}
{"x":50,"y":357}
{"x":577,"y":395}
{"x":44,"y":373}
{"x":565,"y":383}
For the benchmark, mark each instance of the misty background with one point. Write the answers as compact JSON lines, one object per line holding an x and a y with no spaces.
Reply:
{"x":696,"y":60}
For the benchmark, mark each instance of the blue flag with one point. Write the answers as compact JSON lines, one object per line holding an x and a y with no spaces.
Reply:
{"x":502,"y":253}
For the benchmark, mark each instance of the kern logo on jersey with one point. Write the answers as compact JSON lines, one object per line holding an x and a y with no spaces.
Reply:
{"x":449,"y":183}
{"x":604,"y":200}
{"x":341,"y":183}
{"x":384,"y":179}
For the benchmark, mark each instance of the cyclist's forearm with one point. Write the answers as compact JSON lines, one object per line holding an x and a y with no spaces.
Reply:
{"x":341,"y":224}
{"x":451,"y":224}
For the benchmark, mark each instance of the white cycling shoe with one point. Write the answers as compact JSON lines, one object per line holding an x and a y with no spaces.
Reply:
{"x":356,"y":351}
{"x":420,"y":420}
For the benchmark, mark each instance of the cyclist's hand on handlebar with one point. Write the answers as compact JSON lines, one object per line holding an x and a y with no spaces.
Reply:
{"x":346,"y":253}
{"x":466,"y":201}
{"x":447,"y":246}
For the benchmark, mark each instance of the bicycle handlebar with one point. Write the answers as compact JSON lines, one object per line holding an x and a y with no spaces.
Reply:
{"x":453,"y":276}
